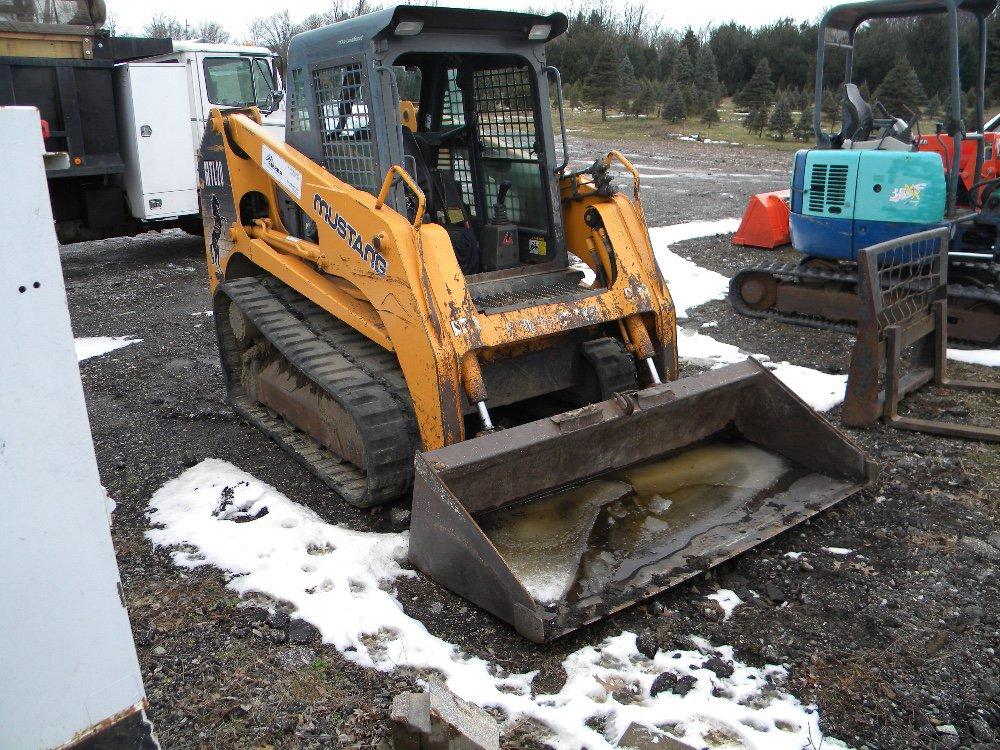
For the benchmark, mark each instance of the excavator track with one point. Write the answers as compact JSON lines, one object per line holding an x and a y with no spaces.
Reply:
{"x":974,"y":311}
{"x":363,"y":382}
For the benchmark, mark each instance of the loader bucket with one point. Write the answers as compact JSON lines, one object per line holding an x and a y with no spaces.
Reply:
{"x":562,"y":521}
{"x":765,"y":222}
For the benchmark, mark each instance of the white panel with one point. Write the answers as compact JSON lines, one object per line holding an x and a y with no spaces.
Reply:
{"x":67,"y":660}
{"x":155,"y":131}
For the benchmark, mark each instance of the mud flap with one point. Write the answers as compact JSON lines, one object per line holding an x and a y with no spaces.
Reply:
{"x":560,"y":522}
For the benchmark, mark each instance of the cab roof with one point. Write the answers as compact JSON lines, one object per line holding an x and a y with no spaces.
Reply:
{"x":851,"y":15}
{"x":382,"y":23}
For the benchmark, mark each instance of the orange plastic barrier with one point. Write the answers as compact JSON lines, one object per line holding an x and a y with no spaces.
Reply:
{"x":765,"y":222}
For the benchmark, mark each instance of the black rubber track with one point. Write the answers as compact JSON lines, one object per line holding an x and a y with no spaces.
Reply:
{"x":354,"y":371}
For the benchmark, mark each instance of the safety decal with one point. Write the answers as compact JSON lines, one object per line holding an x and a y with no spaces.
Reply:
{"x":908,"y":193}
{"x":286,"y":175}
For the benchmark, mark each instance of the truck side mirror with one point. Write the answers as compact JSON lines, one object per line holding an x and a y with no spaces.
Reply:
{"x":274,"y":98}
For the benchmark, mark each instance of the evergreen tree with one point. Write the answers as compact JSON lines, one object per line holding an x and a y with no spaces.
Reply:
{"x":833,"y":109}
{"x":572,"y":95}
{"x":805,"y":100}
{"x":759,"y":91}
{"x":901,"y":90}
{"x":706,"y":74}
{"x":701,"y":102}
{"x":756,"y":120}
{"x":605,"y":78}
{"x":934,"y":109}
{"x":710,"y":116}
{"x":674,"y":108}
{"x":969,"y":108}
{"x":629,"y":88}
{"x":780,"y":121}
{"x":683,"y":71}
{"x":690,"y":43}
{"x":803,"y":130}
{"x":644,"y":99}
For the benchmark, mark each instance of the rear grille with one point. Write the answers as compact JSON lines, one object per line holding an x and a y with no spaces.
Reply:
{"x":534,"y":295}
{"x":828,"y":188}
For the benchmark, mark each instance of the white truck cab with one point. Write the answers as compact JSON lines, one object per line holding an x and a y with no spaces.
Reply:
{"x":228,"y":75}
{"x":164,"y":103}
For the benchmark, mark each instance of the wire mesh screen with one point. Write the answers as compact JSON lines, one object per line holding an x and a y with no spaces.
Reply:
{"x":904,"y":277}
{"x":505,"y":113}
{"x":345,"y":131}
{"x":298,"y":108}
{"x":456,"y":159}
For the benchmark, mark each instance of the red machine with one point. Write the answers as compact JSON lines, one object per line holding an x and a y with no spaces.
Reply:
{"x":944,"y":146}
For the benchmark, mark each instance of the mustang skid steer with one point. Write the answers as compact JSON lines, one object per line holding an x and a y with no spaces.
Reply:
{"x":878,"y":180}
{"x":397,"y":307}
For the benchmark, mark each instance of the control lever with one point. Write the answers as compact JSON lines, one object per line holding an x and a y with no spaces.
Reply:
{"x":500,"y":208}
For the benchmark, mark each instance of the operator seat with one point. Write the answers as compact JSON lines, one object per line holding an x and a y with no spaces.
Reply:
{"x":440,"y":193}
{"x":858,"y":119}
{"x":861,"y":132}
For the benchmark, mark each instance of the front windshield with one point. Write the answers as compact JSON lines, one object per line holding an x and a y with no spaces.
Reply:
{"x":238,"y":81}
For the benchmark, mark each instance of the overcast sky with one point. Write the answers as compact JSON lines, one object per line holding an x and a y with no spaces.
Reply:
{"x":235,"y":15}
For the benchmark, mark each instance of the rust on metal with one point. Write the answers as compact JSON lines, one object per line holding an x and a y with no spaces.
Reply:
{"x":902,"y":342}
{"x":460,"y":490}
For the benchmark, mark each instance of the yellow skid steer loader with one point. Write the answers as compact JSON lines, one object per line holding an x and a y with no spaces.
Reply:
{"x":414,"y":294}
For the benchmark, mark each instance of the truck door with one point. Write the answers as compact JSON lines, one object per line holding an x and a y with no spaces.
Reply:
{"x":155,"y":130}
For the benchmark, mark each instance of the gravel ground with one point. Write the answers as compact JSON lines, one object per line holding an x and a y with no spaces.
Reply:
{"x":890,"y":647}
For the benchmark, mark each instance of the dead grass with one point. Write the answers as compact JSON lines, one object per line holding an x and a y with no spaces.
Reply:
{"x":588,"y":123}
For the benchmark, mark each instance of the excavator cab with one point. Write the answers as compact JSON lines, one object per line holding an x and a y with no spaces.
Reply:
{"x":400,"y":305}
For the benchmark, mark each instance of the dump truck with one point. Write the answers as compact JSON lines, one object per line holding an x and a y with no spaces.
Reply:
{"x":122,"y":116}
{"x":399,"y":306}
{"x":882,"y":177}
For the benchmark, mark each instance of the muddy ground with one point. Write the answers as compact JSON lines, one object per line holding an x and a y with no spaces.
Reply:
{"x":889,"y":647}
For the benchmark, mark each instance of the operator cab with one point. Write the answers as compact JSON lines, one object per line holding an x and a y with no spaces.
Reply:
{"x":459,"y":99}
{"x":477,"y":152}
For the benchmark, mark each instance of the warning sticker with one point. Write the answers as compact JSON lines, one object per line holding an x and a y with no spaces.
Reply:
{"x":284,"y":173}
{"x":537,"y":246}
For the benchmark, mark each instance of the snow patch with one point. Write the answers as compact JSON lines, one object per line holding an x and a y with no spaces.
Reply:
{"x":987,"y":357}
{"x":690,"y":285}
{"x":726,"y":599}
{"x":341,"y":581}
{"x":95,"y":346}
{"x":690,"y":230}
{"x":838,"y":550}
{"x":822,"y":391}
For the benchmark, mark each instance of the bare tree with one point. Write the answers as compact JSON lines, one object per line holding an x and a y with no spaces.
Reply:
{"x":162,"y":25}
{"x":276,"y":30}
{"x":211,"y":31}
{"x":111,"y":25}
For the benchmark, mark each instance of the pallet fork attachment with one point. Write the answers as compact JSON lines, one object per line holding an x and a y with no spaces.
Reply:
{"x":903,"y":292}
